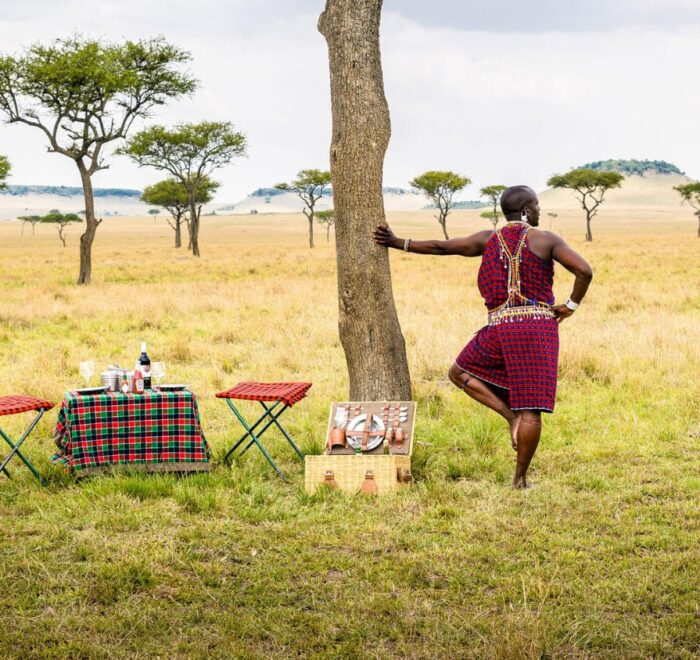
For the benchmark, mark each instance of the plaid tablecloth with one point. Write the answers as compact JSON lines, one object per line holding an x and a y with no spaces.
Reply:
{"x":158,"y":431}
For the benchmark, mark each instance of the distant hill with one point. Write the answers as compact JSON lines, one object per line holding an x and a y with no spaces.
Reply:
{"x":635,"y":167}
{"x":647,"y":184}
{"x":68,"y":191}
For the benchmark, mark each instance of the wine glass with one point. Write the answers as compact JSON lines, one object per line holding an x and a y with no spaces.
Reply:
{"x":158,"y":371}
{"x":87,"y":368}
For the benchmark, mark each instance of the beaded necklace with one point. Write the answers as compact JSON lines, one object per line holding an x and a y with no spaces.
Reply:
{"x":517,"y":306}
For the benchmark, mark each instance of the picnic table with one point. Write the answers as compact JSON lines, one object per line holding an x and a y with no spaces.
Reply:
{"x":156,"y":431}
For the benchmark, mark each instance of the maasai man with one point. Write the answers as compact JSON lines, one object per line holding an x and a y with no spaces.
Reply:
{"x":510,"y":365}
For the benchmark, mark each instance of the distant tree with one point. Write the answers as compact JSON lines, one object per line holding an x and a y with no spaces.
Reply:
{"x":439,"y":187}
{"x":492,"y":216}
{"x":5,"y":168}
{"x":690,"y":193}
{"x":61,"y":220}
{"x":83,"y":94}
{"x":153,"y":212}
{"x":31,"y":219}
{"x":190,"y":153}
{"x":590,"y":187}
{"x":493,"y":193}
{"x":309,"y":186}
{"x":172,"y":195}
{"x":551,"y":218}
{"x":326,"y":218}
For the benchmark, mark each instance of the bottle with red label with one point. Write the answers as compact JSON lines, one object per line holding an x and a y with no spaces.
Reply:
{"x":138,"y":382}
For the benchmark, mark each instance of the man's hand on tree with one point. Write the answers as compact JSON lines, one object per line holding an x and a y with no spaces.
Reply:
{"x":561,"y":312}
{"x":383,"y":235}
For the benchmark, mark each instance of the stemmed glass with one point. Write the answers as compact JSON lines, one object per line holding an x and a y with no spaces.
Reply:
{"x":158,"y":371}
{"x":87,"y":368}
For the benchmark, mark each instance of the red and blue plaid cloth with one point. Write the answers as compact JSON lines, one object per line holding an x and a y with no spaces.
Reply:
{"x":98,"y":430}
{"x":519,"y":357}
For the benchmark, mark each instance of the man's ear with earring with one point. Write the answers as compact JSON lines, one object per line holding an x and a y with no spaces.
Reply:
{"x":523,"y":215}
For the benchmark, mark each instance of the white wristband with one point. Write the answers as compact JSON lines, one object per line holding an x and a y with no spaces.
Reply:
{"x":572,"y":305}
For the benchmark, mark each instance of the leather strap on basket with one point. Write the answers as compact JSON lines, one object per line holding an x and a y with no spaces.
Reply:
{"x":369,"y":485}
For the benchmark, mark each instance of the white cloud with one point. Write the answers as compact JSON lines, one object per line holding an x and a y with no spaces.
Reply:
{"x":498,"y":106}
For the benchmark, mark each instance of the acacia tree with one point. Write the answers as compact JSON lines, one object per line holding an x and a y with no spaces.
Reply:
{"x":84,"y":94}
{"x":190,"y":153}
{"x":172,"y":195}
{"x":5,"y":168}
{"x":326,"y":218}
{"x":368,"y":325}
{"x":439,"y":187}
{"x":61,"y":220}
{"x":492,"y":217}
{"x":309,"y":186}
{"x":31,"y":219}
{"x":590,"y":187}
{"x":690,"y":193}
{"x":493,"y":193}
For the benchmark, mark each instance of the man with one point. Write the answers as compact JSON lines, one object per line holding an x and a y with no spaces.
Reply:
{"x":510,"y":365}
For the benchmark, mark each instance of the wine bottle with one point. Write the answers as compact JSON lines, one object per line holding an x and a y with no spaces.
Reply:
{"x":144,"y":366}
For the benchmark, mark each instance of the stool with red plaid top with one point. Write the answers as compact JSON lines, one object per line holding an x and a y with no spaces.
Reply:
{"x":13,"y":405}
{"x":281,"y":396}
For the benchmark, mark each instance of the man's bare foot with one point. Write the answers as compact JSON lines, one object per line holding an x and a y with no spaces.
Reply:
{"x":514,"y":424}
{"x":520,"y":483}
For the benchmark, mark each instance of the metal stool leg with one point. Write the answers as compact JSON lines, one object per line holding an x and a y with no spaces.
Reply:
{"x":284,"y":432}
{"x":273,"y":419}
{"x":245,"y":435}
{"x":15,"y":450}
{"x":256,"y":441}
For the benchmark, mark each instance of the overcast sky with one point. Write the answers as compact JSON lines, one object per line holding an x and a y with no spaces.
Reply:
{"x":503,"y":91}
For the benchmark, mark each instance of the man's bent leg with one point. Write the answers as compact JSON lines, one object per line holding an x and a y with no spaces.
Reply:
{"x":481,"y":392}
{"x":529,"y":431}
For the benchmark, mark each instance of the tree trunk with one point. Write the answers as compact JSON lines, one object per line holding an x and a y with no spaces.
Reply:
{"x":88,"y":237}
{"x":698,"y":214}
{"x":589,"y":236}
{"x":178,"y":231}
{"x":61,"y":236}
{"x":443,"y":223}
{"x":194,"y":228}
{"x":310,"y":218}
{"x":369,"y":328}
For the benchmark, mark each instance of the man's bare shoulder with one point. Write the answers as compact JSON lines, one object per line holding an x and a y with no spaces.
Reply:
{"x":545,"y":237}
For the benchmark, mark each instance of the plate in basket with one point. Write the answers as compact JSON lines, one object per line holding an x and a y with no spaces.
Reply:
{"x":356,"y":426}
{"x":92,"y":390}
{"x":172,"y":388}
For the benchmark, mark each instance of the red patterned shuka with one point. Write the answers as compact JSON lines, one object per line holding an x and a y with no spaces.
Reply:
{"x":517,"y":351}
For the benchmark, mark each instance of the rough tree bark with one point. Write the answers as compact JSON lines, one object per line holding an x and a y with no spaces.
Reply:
{"x":178,"y":231}
{"x":91,"y":222}
{"x":369,"y":328}
{"x":194,"y":225}
{"x":310,"y":218}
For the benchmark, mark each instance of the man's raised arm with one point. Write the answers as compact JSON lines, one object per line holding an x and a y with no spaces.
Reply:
{"x":467,"y":246}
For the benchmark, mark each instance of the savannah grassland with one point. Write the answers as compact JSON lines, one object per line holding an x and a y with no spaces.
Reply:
{"x":599,"y":559}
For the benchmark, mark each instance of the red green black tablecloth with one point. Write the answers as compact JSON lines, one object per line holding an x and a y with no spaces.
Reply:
{"x":157,"y":430}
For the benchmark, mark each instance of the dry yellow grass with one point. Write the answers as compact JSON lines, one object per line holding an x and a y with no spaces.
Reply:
{"x":598,"y":559}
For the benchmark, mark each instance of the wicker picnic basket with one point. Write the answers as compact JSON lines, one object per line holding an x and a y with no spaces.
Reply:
{"x":390,"y":472}
{"x":352,"y":472}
